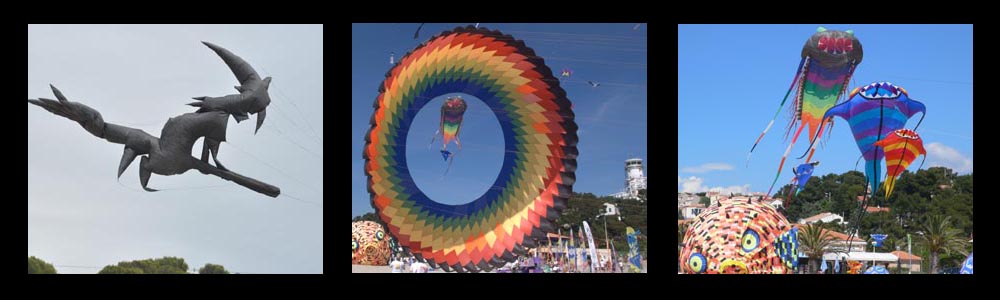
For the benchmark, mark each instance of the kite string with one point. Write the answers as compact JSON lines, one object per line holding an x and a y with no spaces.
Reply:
{"x":296,"y":107}
{"x":283,"y":136}
{"x":285,"y":116}
{"x":299,"y":199}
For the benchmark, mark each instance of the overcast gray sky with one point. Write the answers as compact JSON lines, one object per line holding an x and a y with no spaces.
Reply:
{"x":80,"y":218}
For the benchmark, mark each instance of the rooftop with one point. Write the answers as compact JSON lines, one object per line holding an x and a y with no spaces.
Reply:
{"x":905,"y":256}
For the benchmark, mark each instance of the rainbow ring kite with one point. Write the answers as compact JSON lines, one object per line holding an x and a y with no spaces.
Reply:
{"x":537,"y":173}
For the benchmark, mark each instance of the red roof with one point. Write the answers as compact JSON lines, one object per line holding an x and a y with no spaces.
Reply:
{"x":905,"y":256}
{"x":877,"y":209}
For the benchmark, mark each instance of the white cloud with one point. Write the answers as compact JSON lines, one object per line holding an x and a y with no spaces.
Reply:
{"x":940,"y":155}
{"x":695,"y":185}
{"x":707,"y":167}
{"x":732,"y":189}
{"x":689,"y":185}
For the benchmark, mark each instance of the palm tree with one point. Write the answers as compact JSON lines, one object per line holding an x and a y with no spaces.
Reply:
{"x":681,"y":229}
{"x":814,"y":241}
{"x":941,"y":237}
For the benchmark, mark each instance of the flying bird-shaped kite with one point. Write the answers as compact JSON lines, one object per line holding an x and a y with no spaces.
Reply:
{"x":416,"y":34}
{"x":253,"y":97}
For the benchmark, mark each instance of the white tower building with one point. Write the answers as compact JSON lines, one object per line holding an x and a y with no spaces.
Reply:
{"x":635,"y":180}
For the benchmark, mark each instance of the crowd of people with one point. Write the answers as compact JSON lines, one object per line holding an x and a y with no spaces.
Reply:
{"x":522,"y":264}
{"x":408,"y":265}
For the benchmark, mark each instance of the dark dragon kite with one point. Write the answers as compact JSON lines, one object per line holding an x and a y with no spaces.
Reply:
{"x":170,"y":153}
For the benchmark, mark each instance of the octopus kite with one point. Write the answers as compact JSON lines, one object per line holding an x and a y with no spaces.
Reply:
{"x":370,"y":244}
{"x":828,"y":61}
{"x":740,"y":237}
{"x":451,"y":122}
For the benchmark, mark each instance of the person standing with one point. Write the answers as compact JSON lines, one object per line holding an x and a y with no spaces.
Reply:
{"x":396,"y":266}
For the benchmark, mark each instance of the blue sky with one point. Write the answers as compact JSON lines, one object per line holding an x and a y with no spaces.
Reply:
{"x":731,"y":79}
{"x":611,"y":117}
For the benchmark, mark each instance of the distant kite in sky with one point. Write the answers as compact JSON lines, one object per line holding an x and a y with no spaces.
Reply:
{"x":417,"y":33}
{"x":593,"y":84}
{"x":566,"y":72}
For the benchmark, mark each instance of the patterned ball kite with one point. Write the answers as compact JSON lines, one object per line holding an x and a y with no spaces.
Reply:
{"x":370,"y":243}
{"x":537,"y":173}
{"x":740,"y":237}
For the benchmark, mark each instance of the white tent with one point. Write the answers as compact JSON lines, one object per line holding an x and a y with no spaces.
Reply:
{"x":860,"y":256}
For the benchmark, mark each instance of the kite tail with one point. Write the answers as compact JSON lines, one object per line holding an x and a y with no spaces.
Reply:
{"x":798,"y":74}
{"x":434,"y":137}
{"x":873,"y":173}
{"x":890,"y":180}
{"x":813,"y":150}
{"x":451,"y":158}
{"x":889,"y":184}
{"x":783,"y":157}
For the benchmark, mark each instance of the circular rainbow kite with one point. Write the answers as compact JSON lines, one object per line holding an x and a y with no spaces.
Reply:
{"x":537,"y":173}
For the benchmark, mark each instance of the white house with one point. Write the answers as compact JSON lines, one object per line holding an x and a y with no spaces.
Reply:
{"x":826,"y":217}
{"x":691,"y":211}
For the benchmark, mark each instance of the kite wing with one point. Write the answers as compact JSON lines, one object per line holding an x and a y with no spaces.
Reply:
{"x":901,"y":148}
